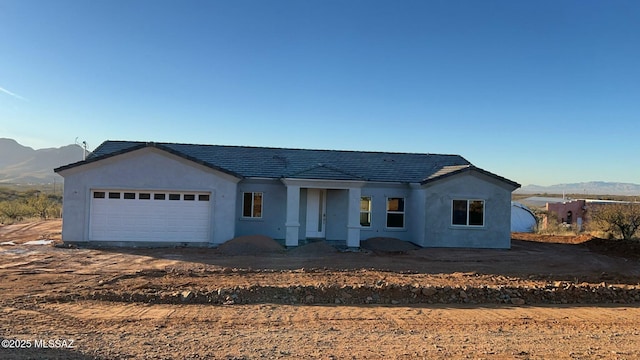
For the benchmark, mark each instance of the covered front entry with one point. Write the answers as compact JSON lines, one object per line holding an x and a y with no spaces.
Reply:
{"x":315,"y":195}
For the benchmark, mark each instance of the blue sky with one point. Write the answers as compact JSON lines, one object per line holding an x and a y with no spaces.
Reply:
{"x":541,"y":92}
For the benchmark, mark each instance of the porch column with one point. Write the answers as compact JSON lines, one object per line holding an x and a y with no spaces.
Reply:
{"x":293,"y":215}
{"x":353,"y":218}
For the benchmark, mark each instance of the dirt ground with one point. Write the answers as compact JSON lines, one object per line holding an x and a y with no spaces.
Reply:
{"x":548,"y":297}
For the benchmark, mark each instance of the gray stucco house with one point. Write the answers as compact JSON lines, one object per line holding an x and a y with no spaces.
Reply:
{"x":137,"y":193}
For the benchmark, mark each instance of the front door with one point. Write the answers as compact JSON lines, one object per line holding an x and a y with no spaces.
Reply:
{"x":316,"y":213}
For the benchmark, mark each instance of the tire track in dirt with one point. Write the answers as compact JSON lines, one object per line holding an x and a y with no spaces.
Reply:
{"x":48,"y":296}
{"x":23,"y":232}
{"x":281,"y":331}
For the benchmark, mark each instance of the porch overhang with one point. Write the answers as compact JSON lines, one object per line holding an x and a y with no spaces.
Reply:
{"x":292,"y":223}
{"x":324,"y":184}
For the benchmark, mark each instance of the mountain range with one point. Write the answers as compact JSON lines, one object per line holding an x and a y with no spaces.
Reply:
{"x":586,"y":188}
{"x":23,"y":165}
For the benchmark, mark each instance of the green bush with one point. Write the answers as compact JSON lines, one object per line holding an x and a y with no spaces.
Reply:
{"x":621,"y":220}
{"x":19,"y":206}
{"x":13,"y":210}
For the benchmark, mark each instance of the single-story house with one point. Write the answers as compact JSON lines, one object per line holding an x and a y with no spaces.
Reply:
{"x":152,"y":194}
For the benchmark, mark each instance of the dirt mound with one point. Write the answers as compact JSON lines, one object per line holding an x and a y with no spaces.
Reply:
{"x":388,"y":245}
{"x":316,"y":248}
{"x":629,"y":249}
{"x":250,"y":245}
{"x":552,"y":239}
{"x":558,"y":292}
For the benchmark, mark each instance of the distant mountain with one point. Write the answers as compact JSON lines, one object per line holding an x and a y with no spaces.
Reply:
{"x":587,"y":188}
{"x":23,"y":165}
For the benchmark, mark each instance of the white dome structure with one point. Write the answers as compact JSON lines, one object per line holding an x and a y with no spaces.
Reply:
{"x":522,"y":219}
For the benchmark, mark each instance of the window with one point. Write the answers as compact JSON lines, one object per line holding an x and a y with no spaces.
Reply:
{"x":395,"y":212}
{"x":144,"y":196}
{"x":467,"y":212}
{"x":365,"y":211}
{"x":129,"y":195}
{"x":203,"y":197}
{"x":252,"y":204}
{"x":159,"y":196}
{"x":114,"y":195}
{"x":98,"y":195}
{"x":174,"y":196}
{"x":189,"y":197}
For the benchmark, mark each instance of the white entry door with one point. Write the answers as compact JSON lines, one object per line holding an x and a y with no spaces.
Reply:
{"x":316,"y":213}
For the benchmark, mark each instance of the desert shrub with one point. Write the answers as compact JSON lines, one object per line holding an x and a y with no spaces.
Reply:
{"x":619,"y":220}
{"x":42,"y":206}
{"x":553,"y":225}
{"x":30,"y":205}
{"x":13,"y":210}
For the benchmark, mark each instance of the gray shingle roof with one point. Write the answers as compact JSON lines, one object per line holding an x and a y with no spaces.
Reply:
{"x":447,"y":171}
{"x":264,"y":162}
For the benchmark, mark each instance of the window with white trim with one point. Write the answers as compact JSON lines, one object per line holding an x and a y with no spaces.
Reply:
{"x":365,"y":211}
{"x":252,"y":204}
{"x":395,"y":212}
{"x":467,"y":212}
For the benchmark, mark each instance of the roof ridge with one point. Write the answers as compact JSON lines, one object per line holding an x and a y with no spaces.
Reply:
{"x":271,"y":162}
{"x":282,"y":148}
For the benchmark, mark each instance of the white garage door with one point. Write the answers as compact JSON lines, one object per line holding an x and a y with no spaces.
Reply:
{"x":149,"y":216}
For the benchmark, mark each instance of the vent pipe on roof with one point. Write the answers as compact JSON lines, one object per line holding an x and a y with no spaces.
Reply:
{"x":84,"y":149}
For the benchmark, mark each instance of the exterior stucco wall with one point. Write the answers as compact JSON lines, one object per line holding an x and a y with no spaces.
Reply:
{"x":438,"y":230}
{"x":146,"y":169}
{"x":379,"y":194}
{"x":274,"y":209}
{"x":561,"y":211}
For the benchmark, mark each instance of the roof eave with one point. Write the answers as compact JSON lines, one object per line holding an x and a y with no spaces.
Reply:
{"x":514,"y":185}
{"x":161,"y":147}
{"x":98,"y":158}
{"x":195,"y":160}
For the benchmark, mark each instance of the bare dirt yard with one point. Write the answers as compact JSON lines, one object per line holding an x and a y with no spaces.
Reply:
{"x":552,"y":297}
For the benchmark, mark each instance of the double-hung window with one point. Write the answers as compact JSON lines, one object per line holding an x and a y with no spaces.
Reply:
{"x":395,"y":212}
{"x":467,"y":212}
{"x":365,"y":211}
{"x":252,"y":205}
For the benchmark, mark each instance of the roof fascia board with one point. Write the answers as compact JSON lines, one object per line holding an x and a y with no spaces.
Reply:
{"x":498,"y":180}
{"x":64,"y":169}
{"x":79,"y":166}
{"x":195,"y":163}
{"x":387,"y":184}
{"x":260,"y":178}
{"x":195,"y":160}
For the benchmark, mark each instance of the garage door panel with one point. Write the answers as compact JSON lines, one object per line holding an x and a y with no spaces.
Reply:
{"x":150,"y":217}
